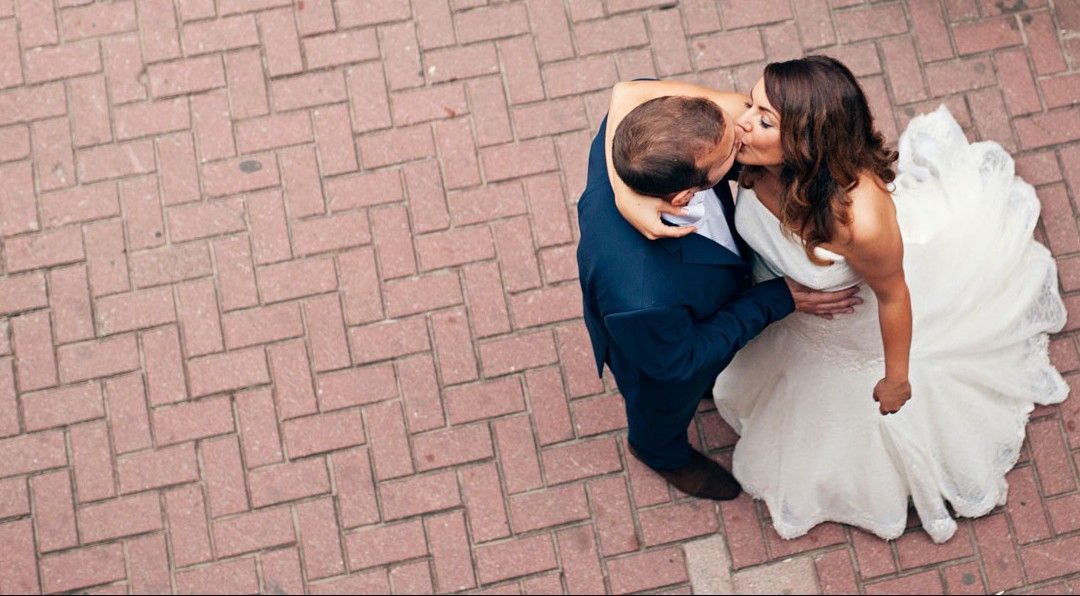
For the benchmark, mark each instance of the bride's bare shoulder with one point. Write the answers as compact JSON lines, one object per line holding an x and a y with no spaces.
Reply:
{"x":871,"y":213}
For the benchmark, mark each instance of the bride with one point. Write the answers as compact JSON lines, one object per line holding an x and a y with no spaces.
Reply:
{"x":959,"y":299}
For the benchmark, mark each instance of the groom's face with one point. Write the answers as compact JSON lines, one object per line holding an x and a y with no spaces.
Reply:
{"x":719,"y":159}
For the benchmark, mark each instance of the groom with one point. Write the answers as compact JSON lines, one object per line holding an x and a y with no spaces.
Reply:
{"x":668,"y":315}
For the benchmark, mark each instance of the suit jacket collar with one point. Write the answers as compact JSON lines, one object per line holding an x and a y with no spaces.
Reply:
{"x":700,"y":250}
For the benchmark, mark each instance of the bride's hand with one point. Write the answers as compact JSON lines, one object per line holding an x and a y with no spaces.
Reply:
{"x":891,"y":395}
{"x":643,"y":213}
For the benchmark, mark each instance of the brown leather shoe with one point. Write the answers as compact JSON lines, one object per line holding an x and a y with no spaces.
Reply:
{"x":702,"y":478}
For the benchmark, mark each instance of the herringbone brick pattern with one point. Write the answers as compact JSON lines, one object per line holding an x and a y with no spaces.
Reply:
{"x":288,"y":298}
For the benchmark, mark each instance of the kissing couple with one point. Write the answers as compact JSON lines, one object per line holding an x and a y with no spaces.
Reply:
{"x":873,"y":323}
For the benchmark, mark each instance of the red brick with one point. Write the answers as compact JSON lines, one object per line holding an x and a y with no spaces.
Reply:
{"x":355,"y":386}
{"x":360,"y":286}
{"x":927,"y":582}
{"x":988,"y":34}
{"x":296,"y":279}
{"x":258,"y":427}
{"x":81,"y":203}
{"x":82,"y":567}
{"x":254,"y":531}
{"x":224,"y":372}
{"x":164,"y":370}
{"x":580,"y":460}
{"x":930,"y":30}
{"x":1060,"y":91}
{"x":159,"y":468}
{"x":31,"y":103}
{"x":142,"y":208}
{"x":429,"y":103}
{"x":421,"y":294}
{"x":856,"y":25}
{"x":1042,"y":38}
{"x":126,"y":516}
{"x":204,"y":219}
{"x":34,"y":359}
{"x":124,"y":68}
{"x":98,"y":358}
{"x":457,"y":363}
{"x":269,"y":230}
{"x":547,"y":204}
{"x":54,"y":512}
{"x":338,"y":48}
{"x":149,"y":561}
{"x":324,"y":432}
{"x":389,"y":440}
{"x":177,"y":169}
{"x":819,"y":536}
{"x":1025,"y":506}
{"x":25,"y":292}
{"x":418,"y":494}
{"x":486,"y":203}
{"x":308,"y":90}
{"x":574,"y":157}
{"x":450,"y":551}
{"x":193,"y":420}
{"x":600,"y":414}
{"x":521,"y":556}
{"x":873,"y":556}
{"x":489,"y":399}
{"x":452,"y":446}
{"x":170,"y":264}
{"x":292,"y":379}
{"x":301,"y":182}
{"x":523,"y":82}
{"x":157,"y":27}
{"x":420,"y":393}
{"x":964,"y":578}
{"x":61,"y":62}
{"x":547,"y":508}
{"x":386,"y":544}
{"x":281,"y":43}
{"x":37,"y":23}
{"x":247,"y":87}
{"x":90,"y":111}
{"x":461,"y":62}
{"x":19,"y":209}
{"x":214,"y":139}
{"x":370,"y":103}
{"x":94,"y":20}
{"x":427,"y":205}
{"x":396,"y":146}
{"x":878,"y":98}
{"x":276,"y":130}
{"x":219,"y":34}
{"x":19,"y":574}
{"x":646,"y":570}
{"x":517,"y":353}
{"x":903,"y":69}
{"x":184,"y":77}
{"x":262,"y":325}
{"x":490,"y":117}
{"x":487,"y":306}
{"x":32,"y":452}
{"x":412,"y":578}
{"x":9,"y":407}
{"x":127,"y":412}
{"x":332,"y":233}
{"x":237,"y":576}
{"x":52,"y":153}
{"x":281,"y":570}
{"x":548,"y":405}
{"x":363,"y":190}
{"x":369,"y":582}
{"x":961,"y":75}
{"x":517,"y":254}
{"x":394,"y":242}
{"x":834,"y":570}
{"x":333,"y":135}
{"x":517,"y":449}
{"x":391,"y":339}
{"x":62,"y":406}
{"x":199,"y":318}
{"x":92,"y":462}
{"x":728,"y":49}
{"x":1051,"y":457}
{"x":744,"y":538}
{"x":224,"y":475}
{"x":559,"y":263}
{"x":355,"y":488}
{"x":1058,"y":219}
{"x":454,"y":141}
{"x":579,"y":76}
{"x":546,"y":305}
{"x":326,"y":332}
{"x":151,"y":118}
{"x":319,"y":538}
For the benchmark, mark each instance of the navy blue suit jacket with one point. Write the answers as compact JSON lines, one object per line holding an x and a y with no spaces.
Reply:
{"x":666,"y":315}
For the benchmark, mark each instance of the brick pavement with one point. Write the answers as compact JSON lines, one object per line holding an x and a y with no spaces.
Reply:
{"x":288,"y":295}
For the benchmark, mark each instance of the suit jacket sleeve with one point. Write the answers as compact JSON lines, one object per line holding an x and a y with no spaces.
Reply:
{"x":668,"y":345}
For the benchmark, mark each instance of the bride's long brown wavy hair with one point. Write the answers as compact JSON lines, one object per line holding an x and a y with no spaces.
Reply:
{"x":828,"y":140}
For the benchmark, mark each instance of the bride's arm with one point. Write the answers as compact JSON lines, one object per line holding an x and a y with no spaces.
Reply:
{"x":641,"y":211}
{"x":876,"y":251}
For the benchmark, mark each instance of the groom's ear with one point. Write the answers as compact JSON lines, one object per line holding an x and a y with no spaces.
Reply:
{"x":682,"y":198}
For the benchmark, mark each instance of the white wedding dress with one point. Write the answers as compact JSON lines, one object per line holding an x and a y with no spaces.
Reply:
{"x":984,"y":296}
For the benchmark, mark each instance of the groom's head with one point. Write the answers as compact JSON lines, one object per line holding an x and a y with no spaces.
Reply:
{"x":671,"y":147}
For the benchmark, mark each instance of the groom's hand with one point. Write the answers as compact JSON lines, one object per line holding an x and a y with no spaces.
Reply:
{"x":823,"y":304}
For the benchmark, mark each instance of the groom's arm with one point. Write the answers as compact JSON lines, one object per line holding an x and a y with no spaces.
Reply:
{"x":668,"y":345}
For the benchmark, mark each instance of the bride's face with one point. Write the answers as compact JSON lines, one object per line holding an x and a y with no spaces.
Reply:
{"x":760,"y":128}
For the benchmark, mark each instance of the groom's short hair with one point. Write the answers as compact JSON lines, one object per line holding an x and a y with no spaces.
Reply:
{"x":657,"y":145}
